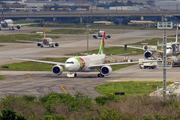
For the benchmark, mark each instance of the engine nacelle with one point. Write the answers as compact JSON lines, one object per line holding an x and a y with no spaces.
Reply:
{"x":57,"y":69}
{"x":106,"y":70}
{"x":94,"y":36}
{"x":19,"y":27}
{"x":147,"y":54}
{"x":56,"y":44}
{"x":108,"y":36}
{"x":39,"y":44}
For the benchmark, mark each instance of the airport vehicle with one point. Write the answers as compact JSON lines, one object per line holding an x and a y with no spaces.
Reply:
{"x":45,"y":41}
{"x":8,"y":23}
{"x":147,"y":65}
{"x":88,"y":63}
{"x":100,"y":34}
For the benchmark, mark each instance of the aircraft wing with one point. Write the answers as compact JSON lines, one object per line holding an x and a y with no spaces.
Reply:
{"x":15,"y":25}
{"x":27,"y":41}
{"x":121,"y":63}
{"x":110,"y":64}
{"x":41,"y":61}
{"x":127,"y":46}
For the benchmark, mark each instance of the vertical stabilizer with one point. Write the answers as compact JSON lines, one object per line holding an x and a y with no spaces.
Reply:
{"x":44,"y":32}
{"x":2,"y":15}
{"x":101,"y":49}
{"x":177,"y":32}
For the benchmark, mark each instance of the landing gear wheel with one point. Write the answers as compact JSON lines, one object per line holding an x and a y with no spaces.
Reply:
{"x":52,"y":46}
{"x":41,"y":45}
{"x":75,"y":75}
{"x":100,"y":75}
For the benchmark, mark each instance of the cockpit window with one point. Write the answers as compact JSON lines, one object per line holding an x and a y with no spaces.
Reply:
{"x":168,"y":48}
{"x":69,"y":62}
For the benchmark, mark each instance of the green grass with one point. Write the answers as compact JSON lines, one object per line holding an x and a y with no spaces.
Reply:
{"x":130,"y":88}
{"x":10,"y":38}
{"x":66,"y":31}
{"x":2,"y":77}
{"x":96,"y":26}
{"x":22,"y":22}
{"x":32,"y":66}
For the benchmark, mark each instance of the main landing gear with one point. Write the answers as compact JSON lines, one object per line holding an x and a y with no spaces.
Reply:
{"x":100,"y":75}
{"x":71,"y":75}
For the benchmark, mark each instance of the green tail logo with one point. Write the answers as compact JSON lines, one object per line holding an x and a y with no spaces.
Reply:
{"x":101,"y":49}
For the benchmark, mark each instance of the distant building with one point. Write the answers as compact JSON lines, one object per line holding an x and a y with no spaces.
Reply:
{"x":104,"y":22}
{"x":141,"y":22}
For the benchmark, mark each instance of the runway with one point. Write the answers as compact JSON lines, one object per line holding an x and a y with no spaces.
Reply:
{"x":40,"y":83}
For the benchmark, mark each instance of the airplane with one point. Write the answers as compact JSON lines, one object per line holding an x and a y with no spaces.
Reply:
{"x":8,"y":23}
{"x":45,"y":41}
{"x":88,"y":63}
{"x":100,"y":34}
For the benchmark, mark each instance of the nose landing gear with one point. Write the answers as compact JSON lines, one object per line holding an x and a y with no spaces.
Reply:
{"x":71,"y":75}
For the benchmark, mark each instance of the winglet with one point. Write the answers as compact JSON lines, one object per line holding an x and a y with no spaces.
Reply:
{"x":177,"y":32}
{"x":101,"y":49}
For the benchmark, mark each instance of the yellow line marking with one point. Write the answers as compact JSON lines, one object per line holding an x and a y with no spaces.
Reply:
{"x":30,"y":77}
{"x":23,"y":46}
{"x":41,"y":53}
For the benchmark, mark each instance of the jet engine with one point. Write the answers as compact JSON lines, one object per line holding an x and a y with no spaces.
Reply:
{"x":94,"y":36}
{"x":56,"y":44}
{"x":57,"y":69}
{"x":108,"y":36}
{"x":147,"y":54}
{"x":19,"y":27}
{"x":106,"y":70}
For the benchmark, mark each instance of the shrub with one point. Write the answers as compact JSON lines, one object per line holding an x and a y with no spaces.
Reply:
{"x":11,"y":115}
{"x":111,"y":114}
{"x":101,"y":100}
{"x":54,"y":117}
{"x":29,"y":98}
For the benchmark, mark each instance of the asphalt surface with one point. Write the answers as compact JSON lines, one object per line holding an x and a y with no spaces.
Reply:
{"x":40,"y":83}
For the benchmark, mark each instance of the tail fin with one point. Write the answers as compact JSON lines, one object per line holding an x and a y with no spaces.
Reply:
{"x":44,"y":32}
{"x":101,"y":49}
{"x":2,"y":15}
{"x":177,"y":33}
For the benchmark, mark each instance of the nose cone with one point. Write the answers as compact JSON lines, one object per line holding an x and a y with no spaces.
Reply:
{"x":72,"y":65}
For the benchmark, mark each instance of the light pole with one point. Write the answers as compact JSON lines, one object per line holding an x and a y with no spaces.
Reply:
{"x":164,"y":26}
{"x":87,"y":38}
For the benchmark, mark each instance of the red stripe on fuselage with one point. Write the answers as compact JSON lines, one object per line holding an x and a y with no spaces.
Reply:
{"x":83,"y":62}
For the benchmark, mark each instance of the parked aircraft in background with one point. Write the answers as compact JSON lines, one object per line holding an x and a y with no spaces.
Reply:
{"x":88,"y":63}
{"x":100,"y":34}
{"x":45,"y":41}
{"x":8,"y":23}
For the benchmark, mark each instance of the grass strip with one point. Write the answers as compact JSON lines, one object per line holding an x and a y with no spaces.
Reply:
{"x":66,"y":31}
{"x":130,"y":88}
{"x":2,"y":77}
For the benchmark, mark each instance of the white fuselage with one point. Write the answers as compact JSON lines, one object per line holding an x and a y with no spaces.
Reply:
{"x":82,"y":63}
{"x":7,"y":23}
{"x":47,"y":41}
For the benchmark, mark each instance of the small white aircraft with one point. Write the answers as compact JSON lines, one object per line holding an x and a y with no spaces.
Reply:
{"x":87,"y":63}
{"x":8,"y":23}
{"x":100,"y":34}
{"x":45,"y":41}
